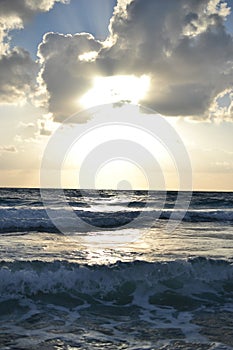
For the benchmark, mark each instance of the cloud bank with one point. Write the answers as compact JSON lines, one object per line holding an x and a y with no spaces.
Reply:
{"x":183,"y":46}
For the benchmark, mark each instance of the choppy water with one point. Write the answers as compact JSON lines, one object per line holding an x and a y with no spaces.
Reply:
{"x":116,"y":286}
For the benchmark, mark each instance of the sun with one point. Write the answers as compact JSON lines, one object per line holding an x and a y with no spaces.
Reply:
{"x":114,"y":151}
{"x":116,"y":88}
{"x":127,"y":176}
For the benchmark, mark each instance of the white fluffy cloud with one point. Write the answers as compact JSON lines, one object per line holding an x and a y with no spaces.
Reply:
{"x":65,"y":71}
{"x":10,"y":148}
{"x":14,"y":13}
{"x":17,"y":70}
{"x":181,"y":45}
{"x":25,"y":9}
{"x":17,"y":75}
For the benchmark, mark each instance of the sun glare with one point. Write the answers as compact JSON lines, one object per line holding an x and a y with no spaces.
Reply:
{"x":116,"y":88}
{"x":88,"y":56}
{"x":111,"y":166}
{"x":127,"y":176}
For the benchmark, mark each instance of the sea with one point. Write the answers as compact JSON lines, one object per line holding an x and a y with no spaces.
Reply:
{"x":127,"y":274}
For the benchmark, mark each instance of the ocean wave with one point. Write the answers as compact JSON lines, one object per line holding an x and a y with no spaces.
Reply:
{"x":180,"y":284}
{"x":207,"y":215}
{"x":33,"y":219}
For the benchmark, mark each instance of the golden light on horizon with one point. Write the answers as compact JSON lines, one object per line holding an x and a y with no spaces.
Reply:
{"x":113,"y":161}
{"x":127,"y":176}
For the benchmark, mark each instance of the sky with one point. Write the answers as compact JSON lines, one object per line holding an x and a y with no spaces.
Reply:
{"x":59,"y":58}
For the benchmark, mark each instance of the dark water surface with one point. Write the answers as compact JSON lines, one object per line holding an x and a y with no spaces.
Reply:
{"x":118,"y":285}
